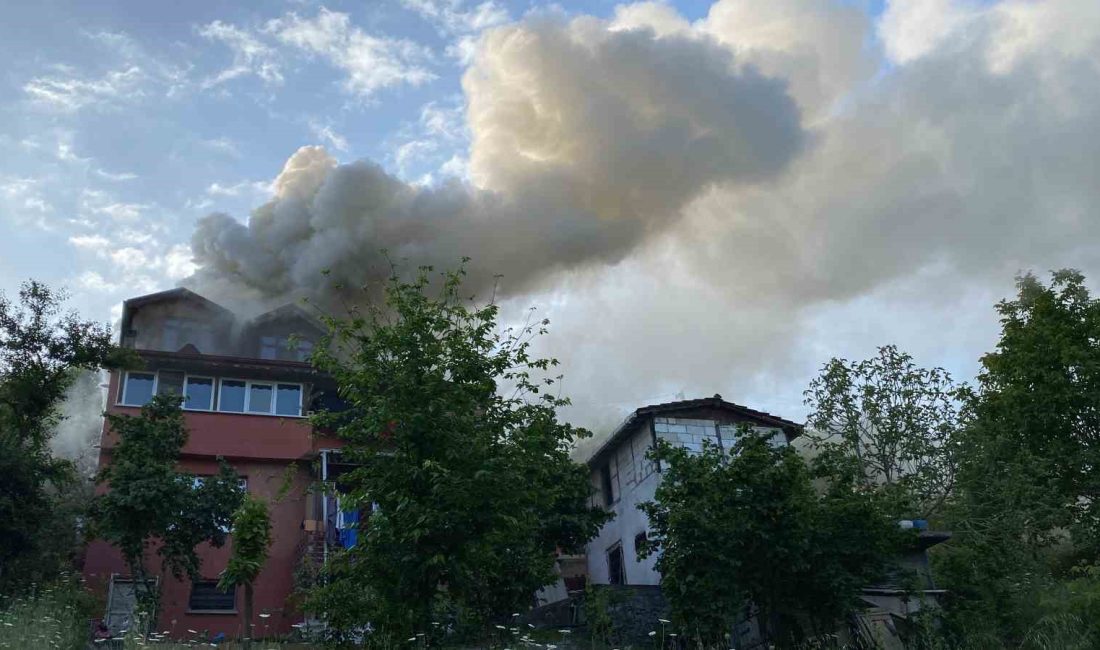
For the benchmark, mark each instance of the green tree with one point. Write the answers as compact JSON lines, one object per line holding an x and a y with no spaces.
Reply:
{"x":1027,"y":508}
{"x":251,"y":540}
{"x":453,"y":431}
{"x":891,"y":422}
{"x":151,"y":503}
{"x":42,"y":351}
{"x":745,"y":531}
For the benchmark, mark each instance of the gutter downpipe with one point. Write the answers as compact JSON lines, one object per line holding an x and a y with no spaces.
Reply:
{"x":324,"y":505}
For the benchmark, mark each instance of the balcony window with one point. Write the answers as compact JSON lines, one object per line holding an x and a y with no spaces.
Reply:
{"x":232,"y":396}
{"x":138,"y":388}
{"x":288,"y":400}
{"x":198,"y":394}
{"x":259,"y":397}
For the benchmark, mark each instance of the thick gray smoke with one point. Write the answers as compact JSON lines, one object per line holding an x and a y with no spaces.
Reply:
{"x":746,"y":195}
{"x":585,"y":141}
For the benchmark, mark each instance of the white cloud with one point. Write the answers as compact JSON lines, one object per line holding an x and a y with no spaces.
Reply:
{"x":24,"y":198}
{"x":250,"y":55}
{"x":130,"y":258}
{"x":111,"y":176}
{"x":177,"y":262}
{"x":95,"y":243}
{"x":411,"y":152}
{"x":369,"y":62}
{"x":221,"y":145}
{"x":460,"y":20}
{"x":910,"y":29}
{"x":99,"y":202}
{"x":254,"y":188}
{"x":67,"y":91}
{"x":328,"y":136}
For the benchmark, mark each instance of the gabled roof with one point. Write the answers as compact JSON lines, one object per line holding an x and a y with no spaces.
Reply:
{"x":288,"y":311}
{"x":792,"y":429}
{"x":179,"y":293}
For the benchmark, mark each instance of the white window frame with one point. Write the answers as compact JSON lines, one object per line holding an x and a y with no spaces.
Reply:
{"x":215,"y":395}
{"x":122,"y":389}
{"x":274,"y":383}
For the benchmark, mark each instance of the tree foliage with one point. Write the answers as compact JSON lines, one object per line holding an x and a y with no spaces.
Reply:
{"x":151,"y":504}
{"x":453,"y":430}
{"x":1027,"y":512}
{"x":891,"y":422}
{"x":42,"y":348}
{"x":251,"y":540}
{"x":744,"y":530}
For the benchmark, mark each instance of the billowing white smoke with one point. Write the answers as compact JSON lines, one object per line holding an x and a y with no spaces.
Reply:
{"x":750,"y":193}
{"x":585,"y":141}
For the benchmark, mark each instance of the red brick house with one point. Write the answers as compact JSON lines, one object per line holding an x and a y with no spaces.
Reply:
{"x":247,"y":391}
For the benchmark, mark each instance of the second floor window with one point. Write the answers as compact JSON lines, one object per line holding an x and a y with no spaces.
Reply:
{"x":270,"y":398}
{"x":137,"y":388}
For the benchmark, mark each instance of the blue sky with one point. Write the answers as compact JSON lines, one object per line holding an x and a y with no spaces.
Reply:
{"x":939,"y":148}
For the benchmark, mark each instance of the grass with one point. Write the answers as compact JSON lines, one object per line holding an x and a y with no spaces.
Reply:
{"x":51,"y":616}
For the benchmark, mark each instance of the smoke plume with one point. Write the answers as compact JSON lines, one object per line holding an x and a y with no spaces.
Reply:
{"x":584,"y":142}
{"x":721,"y":205}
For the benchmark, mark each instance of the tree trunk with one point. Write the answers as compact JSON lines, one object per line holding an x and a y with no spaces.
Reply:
{"x":247,"y":643}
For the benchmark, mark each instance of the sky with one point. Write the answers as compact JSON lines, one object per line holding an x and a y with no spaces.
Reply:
{"x":701,"y":197}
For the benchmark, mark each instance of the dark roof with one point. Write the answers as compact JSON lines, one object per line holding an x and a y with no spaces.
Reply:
{"x":286,"y":312}
{"x":179,"y":293}
{"x":792,"y":429}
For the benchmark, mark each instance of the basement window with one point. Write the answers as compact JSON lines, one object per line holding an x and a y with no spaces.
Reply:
{"x":138,"y":388}
{"x":207,"y":598}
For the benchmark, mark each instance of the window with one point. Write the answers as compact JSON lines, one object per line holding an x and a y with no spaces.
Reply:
{"x":232,"y":396}
{"x":169,"y":382}
{"x":616,"y":574}
{"x":138,"y":388}
{"x":605,"y":485}
{"x":198,"y":394}
{"x":304,"y":349}
{"x":206,"y":597}
{"x":260,"y":397}
{"x":269,"y":347}
{"x":288,"y":400}
{"x":639,"y":541}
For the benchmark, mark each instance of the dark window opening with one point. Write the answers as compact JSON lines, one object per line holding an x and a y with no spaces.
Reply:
{"x":616,"y":574}
{"x":206,"y":597}
{"x":639,"y":541}
{"x":605,"y":483}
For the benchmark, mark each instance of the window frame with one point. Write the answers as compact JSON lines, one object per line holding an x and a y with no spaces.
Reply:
{"x":121,"y":401}
{"x":274,"y":383}
{"x":190,"y":596}
{"x":215,"y":394}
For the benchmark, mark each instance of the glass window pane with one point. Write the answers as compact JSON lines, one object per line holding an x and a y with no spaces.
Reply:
{"x":232,"y":396}
{"x":289,"y":400}
{"x":170,"y":382}
{"x":259,"y":398}
{"x":139,"y":388}
{"x":200,"y":393}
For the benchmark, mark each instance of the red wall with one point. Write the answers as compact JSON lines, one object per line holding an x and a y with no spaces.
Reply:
{"x":260,"y":448}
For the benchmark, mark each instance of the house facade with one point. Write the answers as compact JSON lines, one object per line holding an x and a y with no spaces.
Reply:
{"x":622,"y":477}
{"x":247,"y":391}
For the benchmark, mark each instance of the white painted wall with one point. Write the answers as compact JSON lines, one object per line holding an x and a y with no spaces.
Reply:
{"x":635,"y":480}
